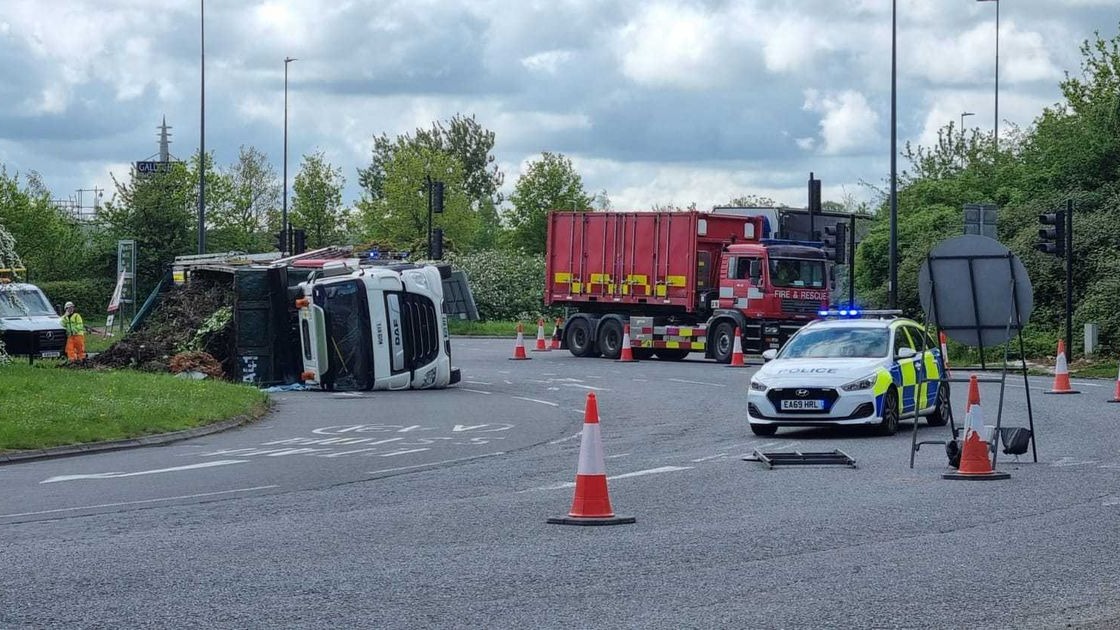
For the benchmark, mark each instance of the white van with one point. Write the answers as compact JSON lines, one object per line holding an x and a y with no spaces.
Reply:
{"x":29,"y":325}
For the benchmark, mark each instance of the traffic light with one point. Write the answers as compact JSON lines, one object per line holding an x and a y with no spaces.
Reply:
{"x":299,"y":241}
{"x":437,"y":197}
{"x":280,"y":244}
{"x":835,"y":244}
{"x":1052,"y":239}
{"x":436,"y":249}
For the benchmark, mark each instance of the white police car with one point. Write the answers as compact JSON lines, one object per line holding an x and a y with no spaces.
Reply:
{"x":856,"y":371}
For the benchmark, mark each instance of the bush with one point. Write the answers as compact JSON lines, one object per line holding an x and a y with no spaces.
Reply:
{"x":505,"y":285}
{"x":90,"y":296}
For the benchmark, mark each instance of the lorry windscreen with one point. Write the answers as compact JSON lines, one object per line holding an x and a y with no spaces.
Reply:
{"x":797,"y":272}
{"x":24,"y":303}
{"x":348,"y":334}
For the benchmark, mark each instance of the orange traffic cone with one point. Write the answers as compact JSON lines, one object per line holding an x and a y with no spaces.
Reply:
{"x":975,"y":463}
{"x":945,"y":354}
{"x":556,"y":334}
{"x":592,"y":503}
{"x":737,"y":352}
{"x":1116,"y":393}
{"x":627,"y":354}
{"x":1061,"y":373}
{"x":519,"y":347}
{"x":541,"y":345}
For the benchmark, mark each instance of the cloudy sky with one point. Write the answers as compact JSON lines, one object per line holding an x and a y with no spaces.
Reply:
{"x":655,"y":101}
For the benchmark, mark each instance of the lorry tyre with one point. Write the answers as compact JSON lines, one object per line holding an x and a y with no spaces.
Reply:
{"x":610,"y":339}
{"x":764,"y":429}
{"x":669,"y":354}
{"x":723,"y":340}
{"x":578,"y":332}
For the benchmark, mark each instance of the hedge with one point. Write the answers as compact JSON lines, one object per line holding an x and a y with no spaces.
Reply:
{"x":506,"y":285}
{"x":90,"y":296}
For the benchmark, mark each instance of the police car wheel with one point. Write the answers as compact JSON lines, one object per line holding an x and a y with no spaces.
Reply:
{"x":763,"y":429}
{"x":940,"y":415}
{"x":889,"y":425}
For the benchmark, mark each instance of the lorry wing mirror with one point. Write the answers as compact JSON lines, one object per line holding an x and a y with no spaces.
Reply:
{"x":769,"y":355}
{"x":756,"y":271}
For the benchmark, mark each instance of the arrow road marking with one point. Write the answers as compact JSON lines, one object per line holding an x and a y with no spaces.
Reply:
{"x":114,"y":475}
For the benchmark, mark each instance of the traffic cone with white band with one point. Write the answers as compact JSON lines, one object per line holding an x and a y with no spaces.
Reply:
{"x":975,"y":462}
{"x":627,"y":354}
{"x":556,"y":334}
{"x":945,"y":354}
{"x":592,"y":503}
{"x":737,"y":352}
{"x":541,"y":345}
{"x":519,"y":347}
{"x":1061,"y":373}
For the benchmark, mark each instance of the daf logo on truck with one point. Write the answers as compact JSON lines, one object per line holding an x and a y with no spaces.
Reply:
{"x":683,"y":281}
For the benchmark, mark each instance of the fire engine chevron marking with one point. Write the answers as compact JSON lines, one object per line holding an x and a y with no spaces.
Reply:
{"x":114,"y":475}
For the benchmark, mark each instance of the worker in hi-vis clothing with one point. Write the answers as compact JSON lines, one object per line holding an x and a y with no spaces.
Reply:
{"x":75,"y":334}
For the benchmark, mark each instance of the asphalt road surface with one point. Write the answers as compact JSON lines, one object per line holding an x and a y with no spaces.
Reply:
{"x":428,"y":509}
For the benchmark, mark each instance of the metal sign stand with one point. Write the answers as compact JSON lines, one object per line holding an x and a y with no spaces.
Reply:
{"x":977,"y":326}
{"x":797,"y":458}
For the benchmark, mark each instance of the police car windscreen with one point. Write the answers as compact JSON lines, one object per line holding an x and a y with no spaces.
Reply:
{"x":837,"y":343}
{"x":797,"y":272}
{"x":24,"y":303}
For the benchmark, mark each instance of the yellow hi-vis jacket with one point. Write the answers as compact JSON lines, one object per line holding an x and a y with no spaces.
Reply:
{"x":73,"y":325}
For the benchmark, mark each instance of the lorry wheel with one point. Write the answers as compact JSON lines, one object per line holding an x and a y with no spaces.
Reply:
{"x":643,"y":354}
{"x":666,"y":354}
{"x":610,"y":339}
{"x":723,"y":340}
{"x":578,"y":332}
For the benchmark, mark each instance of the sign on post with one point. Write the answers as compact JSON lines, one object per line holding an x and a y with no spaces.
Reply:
{"x":980,"y":218}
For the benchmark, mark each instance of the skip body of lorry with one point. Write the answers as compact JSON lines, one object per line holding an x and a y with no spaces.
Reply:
{"x":682,"y":281}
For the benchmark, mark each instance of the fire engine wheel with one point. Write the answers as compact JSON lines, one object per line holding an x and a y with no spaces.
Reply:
{"x":889,"y":425}
{"x":610,"y":339}
{"x":666,"y":354}
{"x":578,"y":332}
{"x":723,"y":340}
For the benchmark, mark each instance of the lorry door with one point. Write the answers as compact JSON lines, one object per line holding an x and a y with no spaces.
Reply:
{"x":738,"y":287}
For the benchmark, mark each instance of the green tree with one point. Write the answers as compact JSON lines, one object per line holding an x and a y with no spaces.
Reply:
{"x":54,"y":243}
{"x":550,"y":183}
{"x":400,"y":217}
{"x":754,"y":201}
{"x":250,"y":212}
{"x":317,"y":201}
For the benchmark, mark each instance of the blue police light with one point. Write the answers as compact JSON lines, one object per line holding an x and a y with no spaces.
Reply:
{"x":823,"y":312}
{"x":854,"y":313}
{"x":843,"y":312}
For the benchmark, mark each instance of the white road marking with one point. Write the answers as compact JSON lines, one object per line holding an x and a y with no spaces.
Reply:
{"x":446,"y":461}
{"x":415,"y":450}
{"x":114,"y":475}
{"x":543,"y":402}
{"x":704,"y":459}
{"x":617,"y":456}
{"x":140,"y":502}
{"x":477,"y":383}
{"x":594,"y":389}
{"x":508,"y":382}
{"x":477,"y":391}
{"x":639,"y":473}
{"x":570,"y":437}
{"x":681,"y":380}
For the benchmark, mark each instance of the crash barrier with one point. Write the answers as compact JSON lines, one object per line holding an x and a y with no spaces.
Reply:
{"x":627,"y":353}
{"x":541,"y":345}
{"x":797,"y":458}
{"x":975,"y":463}
{"x":1061,"y":373}
{"x":737,"y":351}
{"x":591,"y":504}
{"x":519,"y":345}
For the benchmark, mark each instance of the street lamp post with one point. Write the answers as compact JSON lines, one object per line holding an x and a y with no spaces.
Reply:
{"x":995,"y":134}
{"x":963,"y":114}
{"x":202,"y":133}
{"x":893,"y":282}
{"x":284,"y":218}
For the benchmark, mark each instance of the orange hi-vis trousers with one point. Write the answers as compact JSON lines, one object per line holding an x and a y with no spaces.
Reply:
{"x":76,"y":347}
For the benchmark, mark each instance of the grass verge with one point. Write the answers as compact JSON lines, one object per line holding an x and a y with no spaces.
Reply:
{"x":43,"y":406}
{"x":491,"y":328}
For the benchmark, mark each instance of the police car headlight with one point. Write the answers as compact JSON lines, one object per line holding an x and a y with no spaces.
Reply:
{"x":757,"y":386}
{"x":863,"y":383}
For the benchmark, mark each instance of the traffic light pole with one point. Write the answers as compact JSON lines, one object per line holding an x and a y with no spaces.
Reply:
{"x":852,"y":262}
{"x":1069,"y":278}
{"x":428,"y":181}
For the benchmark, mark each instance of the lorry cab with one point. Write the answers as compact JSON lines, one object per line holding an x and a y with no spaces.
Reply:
{"x":375,"y":328}
{"x":761,"y":280}
{"x":29,"y":325}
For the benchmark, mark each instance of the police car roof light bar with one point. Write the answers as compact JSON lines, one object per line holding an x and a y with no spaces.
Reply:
{"x":858,"y":312}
